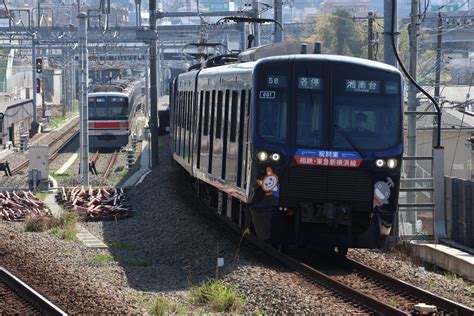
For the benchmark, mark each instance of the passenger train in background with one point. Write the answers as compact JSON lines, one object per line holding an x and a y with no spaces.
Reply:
{"x":111,"y":110}
{"x":303,"y":149}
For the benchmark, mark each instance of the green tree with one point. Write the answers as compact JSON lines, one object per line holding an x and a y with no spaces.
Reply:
{"x":342,"y":35}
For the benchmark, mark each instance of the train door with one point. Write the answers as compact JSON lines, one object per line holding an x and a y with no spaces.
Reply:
{"x":232,"y":144}
{"x":225,"y":134}
{"x":11,"y":134}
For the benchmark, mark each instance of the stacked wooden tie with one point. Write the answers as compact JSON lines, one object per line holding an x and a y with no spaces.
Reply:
{"x":96,"y":203}
{"x":17,"y":205}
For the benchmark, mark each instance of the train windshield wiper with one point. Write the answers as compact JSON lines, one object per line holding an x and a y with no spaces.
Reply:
{"x":350,"y":141}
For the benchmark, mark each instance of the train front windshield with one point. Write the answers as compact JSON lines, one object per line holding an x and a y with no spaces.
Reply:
{"x":359,"y":106}
{"x":108,"y":108}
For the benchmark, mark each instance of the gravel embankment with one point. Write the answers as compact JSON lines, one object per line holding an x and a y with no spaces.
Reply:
{"x":181,"y":242}
{"x":63,"y":272}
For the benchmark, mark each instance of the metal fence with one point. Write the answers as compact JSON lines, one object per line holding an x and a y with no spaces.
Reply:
{"x":460,"y":210}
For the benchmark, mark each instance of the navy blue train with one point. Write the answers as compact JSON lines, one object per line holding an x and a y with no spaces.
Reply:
{"x":303,"y":149}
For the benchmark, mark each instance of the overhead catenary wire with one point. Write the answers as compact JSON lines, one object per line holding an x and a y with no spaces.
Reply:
{"x":392,"y":35}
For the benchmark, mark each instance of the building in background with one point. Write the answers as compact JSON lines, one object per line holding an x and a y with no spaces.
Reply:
{"x":358,"y":8}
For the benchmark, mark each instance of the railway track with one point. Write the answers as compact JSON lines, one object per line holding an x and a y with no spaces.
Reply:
{"x":67,"y":136}
{"x":367,"y":302}
{"x":19,"y":299}
{"x":110,"y":165}
{"x":408,"y":291}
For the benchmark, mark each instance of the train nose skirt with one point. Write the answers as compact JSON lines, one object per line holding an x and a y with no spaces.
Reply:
{"x":309,"y":184}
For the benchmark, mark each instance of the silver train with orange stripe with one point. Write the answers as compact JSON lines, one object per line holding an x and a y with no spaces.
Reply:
{"x":111,"y":109}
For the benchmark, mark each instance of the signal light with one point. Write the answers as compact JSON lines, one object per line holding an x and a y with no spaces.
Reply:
{"x":39,"y":65}
{"x":38,"y":85}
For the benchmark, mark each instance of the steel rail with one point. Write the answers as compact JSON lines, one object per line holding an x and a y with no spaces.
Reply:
{"x":445,"y":304}
{"x":55,"y":153}
{"x":368,"y":302}
{"x":30,"y":295}
{"x":111,"y":165}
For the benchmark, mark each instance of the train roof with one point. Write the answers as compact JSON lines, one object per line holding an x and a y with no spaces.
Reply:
{"x":108,"y":94}
{"x":333,"y":58}
{"x":242,"y":67}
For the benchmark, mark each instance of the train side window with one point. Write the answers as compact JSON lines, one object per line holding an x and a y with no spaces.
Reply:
{"x":233,"y":117}
{"x":201,"y":105}
{"x":190,"y":121}
{"x":188,"y":110}
{"x":211,"y":129}
{"x":240,"y":154}
{"x":186,"y":113}
{"x":178,"y":112}
{"x":206,"y":114}
{"x":219,"y":115}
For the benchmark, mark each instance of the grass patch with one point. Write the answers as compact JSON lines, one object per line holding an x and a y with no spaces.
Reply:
{"x":393,"y":303}
{"x":101,"y":259}
{"x":163,"y":306}
{"x":451,"y":276}
{"x":40,"y":195}
{"x":122,"y":245}
{"x":59,"y":120}
{"x":56,"y":231}
{"x":62,"y":176}
{"x":68,"y":219}
{"x":217,"y":296}
{"x":36,"y":223}
{"x":69,"y":233}
{"x":65,"y":226}
{"x":136,"y":262}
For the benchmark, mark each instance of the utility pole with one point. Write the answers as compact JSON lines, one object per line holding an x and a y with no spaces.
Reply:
{"x":388,"y":54}
{"x":147,"y":87}
{"x":43,"y":105}
{"x":278,"y":37}
{"x":34,"y":124}
{"x":84,"y":135}
{"x":370,"y":48}
{"x":412,"y":91}
{"x":256,"y":26}
{"x":153,"y":121}
{"x":438,"y":73}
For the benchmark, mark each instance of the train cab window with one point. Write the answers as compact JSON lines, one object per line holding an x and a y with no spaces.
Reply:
{"x":367,"y":110}
{"x":117,"y":107}
{"x":206,"y":114}
{"x":309,"y":108}
{"x":219,"y":115}
{"x":272,"y":105}
{"x":272,"y":115}
{"x":100,"y":108}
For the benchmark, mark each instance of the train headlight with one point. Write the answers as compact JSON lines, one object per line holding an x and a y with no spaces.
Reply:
{"x":275,"y":156}
{"x":379,"y":163}
{"x":392,"y":163}
{"x":262,"y":156}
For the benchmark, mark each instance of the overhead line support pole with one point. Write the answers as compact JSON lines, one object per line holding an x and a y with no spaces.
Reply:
{"x":370,"y":48}
{"x":438,"y":77}
{"x":84,"y":135}
{"x":388,"y":54}
{"x":34,"y":124}
{"x":278,"y":37}
{"x":153,"y":121}
{"x":412,"y":102}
